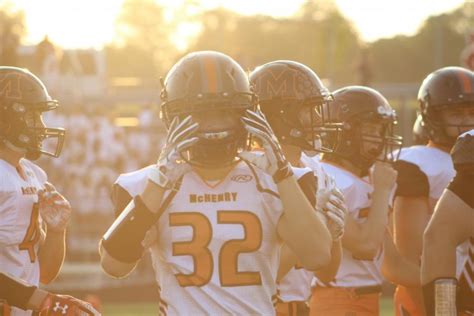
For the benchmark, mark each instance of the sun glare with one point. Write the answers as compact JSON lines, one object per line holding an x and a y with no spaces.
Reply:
{"x":91,"y":23}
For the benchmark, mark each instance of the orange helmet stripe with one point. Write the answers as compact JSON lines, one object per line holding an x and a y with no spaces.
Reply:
{"x":210,"y":68}
{"x":466,"y":82}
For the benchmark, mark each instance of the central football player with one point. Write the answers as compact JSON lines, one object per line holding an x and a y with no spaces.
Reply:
{"x":214,"y":222}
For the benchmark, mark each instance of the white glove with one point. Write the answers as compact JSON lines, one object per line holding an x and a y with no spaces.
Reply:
{"x":273,"y":161}
{"x":54,"y":209}
{"x":330,"y":202}
{"x":170,"y":166}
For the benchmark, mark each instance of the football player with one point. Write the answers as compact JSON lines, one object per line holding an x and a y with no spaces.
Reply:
{"x":22,"y":295}
{"x":452,"y":224}
{"x":33,"y":215}
{"x":446,"y":99}
{"x":214,"y":223}
{"x":368,"y":251}
{"x":291,"y":97}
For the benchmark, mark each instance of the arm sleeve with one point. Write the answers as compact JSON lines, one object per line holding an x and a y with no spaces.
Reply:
{"x":14,"y":291}
{"x":120,"y":198}
{"x":411,"y":181}
{"x":307,"y":184}
{"x":463,"y":186}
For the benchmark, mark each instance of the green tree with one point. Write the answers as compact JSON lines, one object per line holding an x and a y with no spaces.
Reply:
{"x":437,"y":43}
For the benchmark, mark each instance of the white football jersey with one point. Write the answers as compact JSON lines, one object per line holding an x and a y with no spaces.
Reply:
{"x":438,"y":167}
{"x":217,"y":250}
{"x":357,"y":192}
{"x":296,"y":284}
{"x":20,"y":222}
{"x":434,"y":163}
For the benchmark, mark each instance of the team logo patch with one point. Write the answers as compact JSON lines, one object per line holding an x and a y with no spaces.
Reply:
{"x":241,"y":178}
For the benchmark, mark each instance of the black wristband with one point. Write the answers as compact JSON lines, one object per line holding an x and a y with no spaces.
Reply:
{"x":123,"y":240}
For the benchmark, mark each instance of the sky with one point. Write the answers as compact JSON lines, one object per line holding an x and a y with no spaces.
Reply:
{"x":91,"y":23}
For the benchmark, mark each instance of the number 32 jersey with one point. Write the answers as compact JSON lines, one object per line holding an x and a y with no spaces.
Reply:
{"x":217,"y":250}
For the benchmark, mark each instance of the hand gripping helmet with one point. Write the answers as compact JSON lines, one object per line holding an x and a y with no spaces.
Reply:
{"x":22,"y":95}
{"x":294,"y":100}
{"x":208,"y":81}
{"x":443,"y":89}
{"x":355,"y":106}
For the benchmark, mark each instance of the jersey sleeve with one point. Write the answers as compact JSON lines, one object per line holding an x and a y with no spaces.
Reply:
{"x":411,"y":180}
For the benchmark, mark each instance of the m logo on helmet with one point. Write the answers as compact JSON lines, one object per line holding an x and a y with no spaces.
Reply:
{"x":10,"y":86}
{"x":282,"y":83}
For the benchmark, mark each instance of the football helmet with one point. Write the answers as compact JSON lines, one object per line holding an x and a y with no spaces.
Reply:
{"x":293,"y":99}
{"x":22,"y":97}
{"x":202,"y":82}
{"x":419,"y":132}
{"x":443,"y":89}
{"x":359,"y":107}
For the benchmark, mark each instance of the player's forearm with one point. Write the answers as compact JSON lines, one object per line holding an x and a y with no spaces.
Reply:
{"x":302,"y":230}
{"x":377,"y":219}
{"x":287,"y":261}
{"x":411,"y":216}
{"x":435,"y":265}
{"x":365,"y":239}
{"x":51,"y":255}
{"x":328,"y":273}
{"x":397,"y":269}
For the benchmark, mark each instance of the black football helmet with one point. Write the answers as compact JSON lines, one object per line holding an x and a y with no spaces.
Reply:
{"x":208,"y":81}
{"x":355,"y":106}
{"x":443,"y":89}
{"x":293,"y":99}
{"x":22,"y":95}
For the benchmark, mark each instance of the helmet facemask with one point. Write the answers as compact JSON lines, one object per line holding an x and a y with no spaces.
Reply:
{"x":26,"y":132}
{"x":320,"y":131}
{"x":216,"y":147}
{"x":437,"y":126}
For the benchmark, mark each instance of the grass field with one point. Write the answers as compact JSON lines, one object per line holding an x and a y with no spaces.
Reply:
{"x":150,"y":309}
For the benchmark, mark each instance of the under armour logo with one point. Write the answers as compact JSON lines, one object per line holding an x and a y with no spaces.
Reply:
{"x":58,"y":308}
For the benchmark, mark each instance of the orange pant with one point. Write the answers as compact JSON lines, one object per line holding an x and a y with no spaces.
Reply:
{"x":404,"y":304}
{"x":292,"y":309}
{"x":343,"y":302}
{"x":4,"y":309}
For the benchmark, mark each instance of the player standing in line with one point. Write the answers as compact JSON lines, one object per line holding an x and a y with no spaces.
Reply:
{"x":214,"y":222}
{"x":452,"y":223}
{"x":27,"y":201}
{"x":368,"y":250}
{"x":446,"y":99}
{"x":291,"y":97}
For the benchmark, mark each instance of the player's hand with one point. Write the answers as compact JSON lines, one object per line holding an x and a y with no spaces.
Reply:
{"x":170,"y":164}
{"x":65,"y":305}
{"x":384,"y":176}
{"x":273,"y":161}
{"x":54,"y":209}
{"x":331,"y":203}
